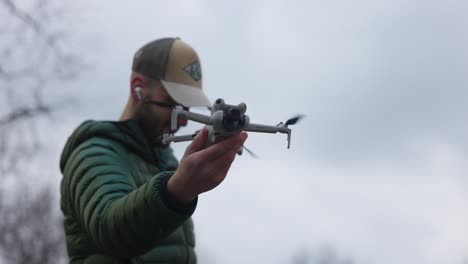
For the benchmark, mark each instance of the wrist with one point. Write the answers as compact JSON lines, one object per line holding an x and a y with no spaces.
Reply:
{"x":177,"y":193}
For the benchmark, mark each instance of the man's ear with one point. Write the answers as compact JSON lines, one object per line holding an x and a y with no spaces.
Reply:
{"x":138,"y":93}
{"x":136,"y":88}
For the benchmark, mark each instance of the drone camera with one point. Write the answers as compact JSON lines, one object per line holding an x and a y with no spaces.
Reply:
{"x":233,"y":120}
{"x":234,"y":113}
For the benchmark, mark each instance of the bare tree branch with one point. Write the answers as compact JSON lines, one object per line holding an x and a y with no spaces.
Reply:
{"x":32,"y":55}
{"x":29,"y":229}
{"x":24,"y":113}
{"x":22,"y":16}
{"x":34,"y":50}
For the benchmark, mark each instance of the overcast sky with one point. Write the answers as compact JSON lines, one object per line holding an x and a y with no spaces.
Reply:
{"x":378,"y":168}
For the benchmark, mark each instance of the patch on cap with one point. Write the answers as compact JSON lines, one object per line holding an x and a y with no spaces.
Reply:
{"x":194,"y":70}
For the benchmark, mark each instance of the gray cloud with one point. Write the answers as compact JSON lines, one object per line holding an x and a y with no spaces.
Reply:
{"x":383,"y":87}
{"x":379,"y":76}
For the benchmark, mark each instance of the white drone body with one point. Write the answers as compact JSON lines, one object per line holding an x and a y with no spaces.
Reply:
{"x":225,"y":121}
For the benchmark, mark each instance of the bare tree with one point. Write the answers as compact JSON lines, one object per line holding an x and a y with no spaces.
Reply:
{"x":31,"y":230}
{"x":34,"y":52}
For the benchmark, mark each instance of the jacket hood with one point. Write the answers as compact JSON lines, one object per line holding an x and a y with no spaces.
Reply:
{"x":128,"y":133}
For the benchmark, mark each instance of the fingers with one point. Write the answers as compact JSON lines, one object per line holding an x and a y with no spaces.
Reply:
{"x":224,"y":161}
{"x":202,"y":169}
{"x":244,"y":136}
{"x":231,"y":144}
{"x":198,"y":142}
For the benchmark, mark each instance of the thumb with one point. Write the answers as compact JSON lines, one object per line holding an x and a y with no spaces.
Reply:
{"x":198,"y":142}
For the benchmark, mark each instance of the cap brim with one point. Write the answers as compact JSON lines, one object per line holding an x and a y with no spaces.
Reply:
{"x":186,"y":95}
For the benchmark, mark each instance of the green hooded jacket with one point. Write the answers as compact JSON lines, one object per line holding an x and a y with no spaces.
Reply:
{"x":114,"y":198}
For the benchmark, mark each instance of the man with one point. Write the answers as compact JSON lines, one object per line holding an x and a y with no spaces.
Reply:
{"x":124,"y":197}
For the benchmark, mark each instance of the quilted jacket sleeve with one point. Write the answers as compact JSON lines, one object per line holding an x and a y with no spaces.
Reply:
{"x":121,"y":219}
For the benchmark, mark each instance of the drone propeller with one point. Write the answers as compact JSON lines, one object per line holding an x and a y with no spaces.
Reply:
{"x":293,"y":121}
{"x":250,"y":152}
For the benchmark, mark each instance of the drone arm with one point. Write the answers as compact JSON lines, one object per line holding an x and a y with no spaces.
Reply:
{"x":269,"y":129}
{"x":168,"y":138}
{"x":190,"y":116}
{"x":266,"y":129}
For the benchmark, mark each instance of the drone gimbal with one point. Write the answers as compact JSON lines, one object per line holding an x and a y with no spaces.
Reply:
{"x":225,"y":121}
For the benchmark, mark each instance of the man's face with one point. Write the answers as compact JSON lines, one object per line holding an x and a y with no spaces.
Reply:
{"x":156,"y":120}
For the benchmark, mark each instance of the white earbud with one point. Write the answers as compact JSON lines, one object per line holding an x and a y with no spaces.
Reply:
{"x":138,"y":92}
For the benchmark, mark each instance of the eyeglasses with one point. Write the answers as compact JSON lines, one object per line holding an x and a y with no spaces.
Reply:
{"x":172,"y":105}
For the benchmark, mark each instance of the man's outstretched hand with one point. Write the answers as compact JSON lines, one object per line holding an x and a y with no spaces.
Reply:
{"x":202,"y":169}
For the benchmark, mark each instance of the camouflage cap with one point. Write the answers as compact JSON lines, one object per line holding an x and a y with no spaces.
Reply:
{"x":177,"y":66}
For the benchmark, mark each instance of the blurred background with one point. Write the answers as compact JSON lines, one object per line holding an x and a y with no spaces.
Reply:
{"x":377,"y":170}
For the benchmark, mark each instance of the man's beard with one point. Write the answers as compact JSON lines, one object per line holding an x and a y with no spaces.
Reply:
{"x":153,"y":127}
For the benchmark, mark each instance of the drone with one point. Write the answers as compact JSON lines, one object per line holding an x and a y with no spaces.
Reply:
{"x":225,"y":120}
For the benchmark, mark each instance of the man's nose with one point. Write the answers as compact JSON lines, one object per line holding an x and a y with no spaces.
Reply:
{"x":181,"y":121}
